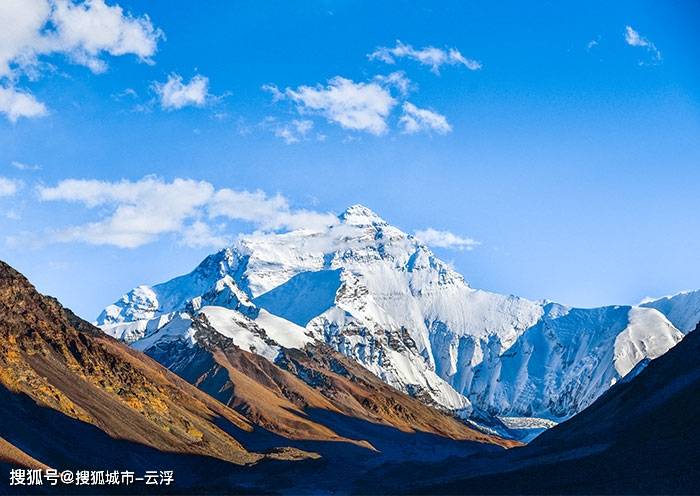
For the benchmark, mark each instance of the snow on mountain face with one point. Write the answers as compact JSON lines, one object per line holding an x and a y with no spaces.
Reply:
{"x":263,"y":336}
{"x":377,"y":295}
{"x":683,"y":309}
{"x":145,"y":309}
{"x":569,"y":358}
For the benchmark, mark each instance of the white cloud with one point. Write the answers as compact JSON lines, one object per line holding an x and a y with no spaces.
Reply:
{"x":82,"y":31}
{"x":397,"y":80}
{"x":430,"y":56}
{"x":24,"y":167}
{"x":15,"y":104}
{"x":633,"y":38}
{"x":416,"y":119}
{"x":277,"y":95}
{"x":356,"y":106}
{"x":265,"y":212}
{"x":294,"y":131}
{"x":199,"y":234}
{"x":174,"y":94}
{"x":445,"y":239}
{"x":21,"y":39}
{"x":140,"y":211}
{"x":134,"y":213}
{"x":9,"y":187}
{"x":87,"y":30}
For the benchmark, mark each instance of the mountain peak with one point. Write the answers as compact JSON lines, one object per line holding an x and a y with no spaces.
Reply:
{"x":359,"y":215}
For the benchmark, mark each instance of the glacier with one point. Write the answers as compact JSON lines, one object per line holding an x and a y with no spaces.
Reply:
{"x":381,"y":297}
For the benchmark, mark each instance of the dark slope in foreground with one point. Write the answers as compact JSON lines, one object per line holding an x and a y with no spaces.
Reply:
{"x":639,"y":437}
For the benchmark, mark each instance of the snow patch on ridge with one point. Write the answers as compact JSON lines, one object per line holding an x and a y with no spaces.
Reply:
{"x":642,"y":339}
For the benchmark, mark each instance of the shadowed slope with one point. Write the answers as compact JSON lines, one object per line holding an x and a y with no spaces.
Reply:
{"x":303,"y":297}
{"x":11,"y":455}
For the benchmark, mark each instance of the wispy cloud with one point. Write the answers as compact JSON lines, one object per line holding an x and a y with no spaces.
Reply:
{"x":174,"y":94}
{"x":431,"y":56}
{"x":135,"y":213}
{"x":416,"y":119}
{"x":24,"y":167}
{"x":9,"y":187}
{"x":266,"y":212}
{"x":396,"y":80}
{"x":85,"y":32}
{"x":294,"y":131}
{"x":200,"y":234}
{"x":445,"y":239}
{"x":633,"y":38}
{"x":130,"y":214}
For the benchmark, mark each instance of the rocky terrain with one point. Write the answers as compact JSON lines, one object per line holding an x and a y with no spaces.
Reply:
{"x":73,"y":397}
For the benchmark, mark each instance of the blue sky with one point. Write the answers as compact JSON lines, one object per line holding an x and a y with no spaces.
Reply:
{"x":565,"y":144}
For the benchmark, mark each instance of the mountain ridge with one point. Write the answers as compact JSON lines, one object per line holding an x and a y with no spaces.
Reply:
{"x":385,"y":300}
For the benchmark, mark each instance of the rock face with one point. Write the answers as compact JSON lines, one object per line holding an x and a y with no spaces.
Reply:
{"x":380,"y":297}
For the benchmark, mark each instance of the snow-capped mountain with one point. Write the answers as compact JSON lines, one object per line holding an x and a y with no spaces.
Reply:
{"x":682,"y":309}
{"x":379,"y":296}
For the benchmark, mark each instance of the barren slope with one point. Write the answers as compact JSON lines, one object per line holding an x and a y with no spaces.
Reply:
{"x":63,"y":363}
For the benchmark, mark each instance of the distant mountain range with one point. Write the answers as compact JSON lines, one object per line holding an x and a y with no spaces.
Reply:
{"x":378,"y":296}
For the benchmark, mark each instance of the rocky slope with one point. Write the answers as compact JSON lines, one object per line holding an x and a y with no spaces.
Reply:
{"x":380,"y":297}
{"x":279,"y":396}
{"x":76,"y":398}
{"x":49,"y":355}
